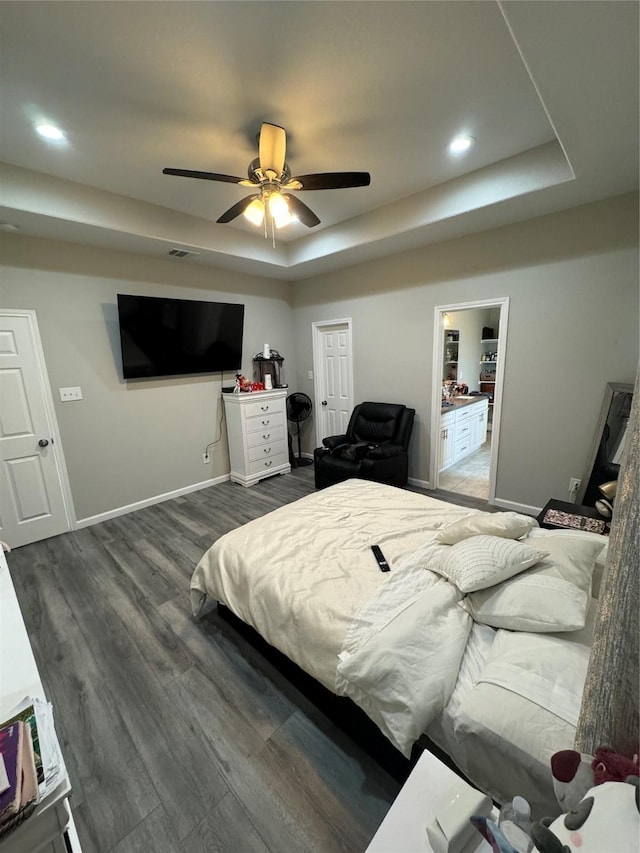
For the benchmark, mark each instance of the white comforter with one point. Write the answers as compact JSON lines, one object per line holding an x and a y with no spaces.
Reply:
{"x":302,"y":575}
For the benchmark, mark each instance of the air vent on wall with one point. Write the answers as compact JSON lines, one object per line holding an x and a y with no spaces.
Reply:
{"x":182,"y":253}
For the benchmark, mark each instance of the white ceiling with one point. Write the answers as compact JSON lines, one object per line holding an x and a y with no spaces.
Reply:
{"x":548,"y":89}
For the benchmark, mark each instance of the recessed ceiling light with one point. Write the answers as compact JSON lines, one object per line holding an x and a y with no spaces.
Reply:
{"x":50,"y":132}
{"x":461,"y":144}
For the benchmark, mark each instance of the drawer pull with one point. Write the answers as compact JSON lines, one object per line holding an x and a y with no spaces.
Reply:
{"x":267,"y":450}
{"x":267,"y":436}
{"x":268,"y":462}
{"x":264,"y":408}
{"x":266,"y":423}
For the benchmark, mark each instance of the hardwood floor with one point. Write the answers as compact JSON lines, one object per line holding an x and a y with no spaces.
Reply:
{"x":180,"y":737}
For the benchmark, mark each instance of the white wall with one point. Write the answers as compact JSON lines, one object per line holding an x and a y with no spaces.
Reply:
{"x":130,"y":441}
{"x":572,"y":279}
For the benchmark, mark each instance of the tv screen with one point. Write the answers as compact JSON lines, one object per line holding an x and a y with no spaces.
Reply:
{"x":167,"y":337}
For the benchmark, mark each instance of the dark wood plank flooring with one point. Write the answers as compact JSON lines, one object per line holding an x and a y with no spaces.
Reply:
{"x":179,"y":736}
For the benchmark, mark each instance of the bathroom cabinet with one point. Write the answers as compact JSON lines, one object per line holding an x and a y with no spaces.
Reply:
{"x":463,"y":429}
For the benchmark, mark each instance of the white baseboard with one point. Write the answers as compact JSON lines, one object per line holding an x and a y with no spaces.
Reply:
{"x":123,"y":510}
{"x":420,"y":484}
{"x":524,"y":509}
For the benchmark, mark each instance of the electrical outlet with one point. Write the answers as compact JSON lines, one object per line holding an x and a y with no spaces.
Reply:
{"x":67,"y":394}
{"x":205,"y":458}
{"x":574,"y":487}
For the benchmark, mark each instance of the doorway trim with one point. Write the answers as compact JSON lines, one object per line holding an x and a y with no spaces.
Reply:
{"x":50,"y":412}
{"x":318,"y":370}
{"x":439,"y":311}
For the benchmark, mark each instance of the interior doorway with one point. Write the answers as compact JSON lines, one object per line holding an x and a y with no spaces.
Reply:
{"x":36,"y":499}
{"x":469,"y":358}
{"x":333,"y":371}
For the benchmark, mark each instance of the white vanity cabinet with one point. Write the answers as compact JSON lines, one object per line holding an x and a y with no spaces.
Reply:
{"x":447,"y":439}
{"x":257,"y":435}
{"x":480,"y":422}
{"x":462,"y":431}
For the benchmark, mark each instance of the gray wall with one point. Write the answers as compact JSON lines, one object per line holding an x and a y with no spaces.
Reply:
{"x":573,"y":283}
{"x":130,"y":441}
{"x":572,"y":279}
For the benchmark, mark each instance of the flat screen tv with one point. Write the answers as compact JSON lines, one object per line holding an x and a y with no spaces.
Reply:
{"x":169,"y":337}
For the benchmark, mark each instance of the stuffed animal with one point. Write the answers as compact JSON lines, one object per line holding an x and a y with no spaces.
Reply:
{"x":606,"y":820}
{"x":575,"y":772}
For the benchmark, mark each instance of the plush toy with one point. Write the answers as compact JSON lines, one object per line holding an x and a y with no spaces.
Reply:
{"x":606,"y":820}
{"x":575,"y":772}
{"x":611,"y":766}
{"x":572,"y":777}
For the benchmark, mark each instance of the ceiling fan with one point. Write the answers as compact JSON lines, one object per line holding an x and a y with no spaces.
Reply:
{"x":270,"y":176}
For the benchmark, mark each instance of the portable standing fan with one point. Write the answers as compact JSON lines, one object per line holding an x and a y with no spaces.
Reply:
{"x":298,"y":410}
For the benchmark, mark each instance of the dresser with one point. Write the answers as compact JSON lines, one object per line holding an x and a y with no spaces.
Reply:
{"x":257,"y":435}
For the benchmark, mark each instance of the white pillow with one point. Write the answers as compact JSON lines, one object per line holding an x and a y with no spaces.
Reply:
{"x":509,"y":525}
{"x":482,"y":561}
{"x":553,"y":596}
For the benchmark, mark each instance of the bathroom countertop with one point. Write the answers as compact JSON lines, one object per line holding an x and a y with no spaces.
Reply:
{"x":460,"y":402}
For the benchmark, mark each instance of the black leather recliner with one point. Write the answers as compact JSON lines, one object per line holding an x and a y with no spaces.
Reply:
{"x":373,"y":448}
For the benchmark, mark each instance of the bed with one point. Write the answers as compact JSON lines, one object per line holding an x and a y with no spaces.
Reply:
{"x":478,"y":637}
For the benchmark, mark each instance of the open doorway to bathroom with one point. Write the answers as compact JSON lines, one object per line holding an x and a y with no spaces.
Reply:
{"x":469,"y":359}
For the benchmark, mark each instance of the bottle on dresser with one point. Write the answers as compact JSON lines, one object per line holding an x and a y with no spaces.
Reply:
{"x":515,"y":824}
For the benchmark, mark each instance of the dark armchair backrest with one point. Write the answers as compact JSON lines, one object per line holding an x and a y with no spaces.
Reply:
{"x":381,"y":422}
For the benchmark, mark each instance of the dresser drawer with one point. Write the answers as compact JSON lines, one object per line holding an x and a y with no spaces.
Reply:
{"x":265,"y":465}
{"x":264,"y":407}
{"x":265,"y":435}
{"x":263,"y":422}
{"x":264,"y":451}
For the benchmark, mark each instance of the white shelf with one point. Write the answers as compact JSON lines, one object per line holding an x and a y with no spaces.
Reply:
{"x":489,"y":341}
{"x":491,"y":361}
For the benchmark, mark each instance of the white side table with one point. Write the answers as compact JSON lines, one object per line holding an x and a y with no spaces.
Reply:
{"x":404,"y":829}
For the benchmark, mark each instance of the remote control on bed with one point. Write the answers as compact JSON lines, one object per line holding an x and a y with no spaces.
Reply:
{"x":377,"y":553}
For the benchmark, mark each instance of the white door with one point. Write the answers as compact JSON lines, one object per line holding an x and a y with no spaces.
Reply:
{"x":333,"y":366}
{"x":32,"y":494}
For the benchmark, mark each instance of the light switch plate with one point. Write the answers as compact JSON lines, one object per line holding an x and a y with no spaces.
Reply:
{"x":67,"y":394}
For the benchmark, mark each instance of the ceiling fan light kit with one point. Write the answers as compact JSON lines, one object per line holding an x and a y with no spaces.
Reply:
{"x":270,"y":174}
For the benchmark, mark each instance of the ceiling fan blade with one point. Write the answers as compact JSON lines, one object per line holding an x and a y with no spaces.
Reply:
{"x":333,"y":180}
{"x":272,"y":149}
{"x":238,"y":208}
{"x":205,"y":176}
{"x":299,"y":208}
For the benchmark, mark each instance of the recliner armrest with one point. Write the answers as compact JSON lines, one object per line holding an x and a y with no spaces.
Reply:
{"x":333,"y":441}
{"x":385,"y":451}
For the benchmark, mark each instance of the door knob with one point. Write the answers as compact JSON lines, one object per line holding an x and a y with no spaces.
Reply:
{"x":43,"y":442}
{"x":324,"y":402}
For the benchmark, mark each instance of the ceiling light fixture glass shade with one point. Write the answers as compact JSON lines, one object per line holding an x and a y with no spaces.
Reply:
{"x":255,"y":212}
{"x":279,"y":210}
